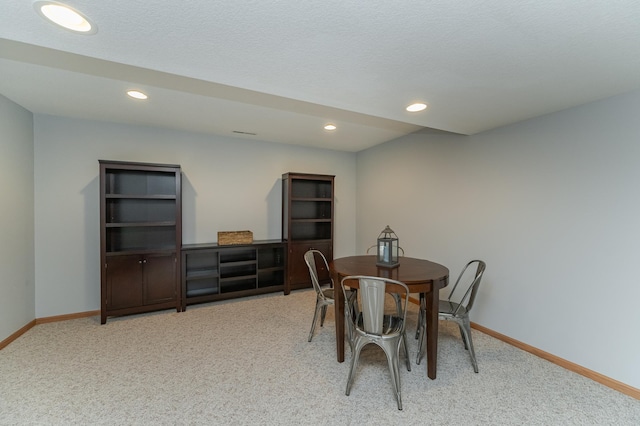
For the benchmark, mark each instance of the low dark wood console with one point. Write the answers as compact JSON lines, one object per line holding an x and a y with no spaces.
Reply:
{"x":212,"y":272}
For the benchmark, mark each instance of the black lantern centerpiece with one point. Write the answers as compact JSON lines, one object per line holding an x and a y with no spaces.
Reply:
{"x":387,"y":249}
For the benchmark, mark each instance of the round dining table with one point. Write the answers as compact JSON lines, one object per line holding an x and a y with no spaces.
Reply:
{"x":420,"y":275}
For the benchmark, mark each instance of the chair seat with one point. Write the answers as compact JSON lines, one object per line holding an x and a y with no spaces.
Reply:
{"x":330,"y":292}
{"x":447,"y":308}
{"x":391,"y":325}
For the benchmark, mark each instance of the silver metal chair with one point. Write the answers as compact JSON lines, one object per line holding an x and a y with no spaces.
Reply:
{"x":456,"y":308}
{"x":371,"y":324}
{"x":325,"y":295}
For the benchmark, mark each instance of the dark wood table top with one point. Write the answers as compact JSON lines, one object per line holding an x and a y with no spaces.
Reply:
{"x":415,"y":273}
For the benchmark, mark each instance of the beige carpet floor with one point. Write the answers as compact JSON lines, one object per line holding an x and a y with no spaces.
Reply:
{"x":248,"y":362}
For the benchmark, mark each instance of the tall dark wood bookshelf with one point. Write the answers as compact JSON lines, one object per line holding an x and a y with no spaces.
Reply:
{"x":307,"y":223}
{"x":140,"y":237}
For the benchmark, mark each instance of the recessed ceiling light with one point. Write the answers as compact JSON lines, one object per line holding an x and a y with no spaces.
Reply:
{"x":137,"y":94}
{"x":330,"y":127}
{"x":65,"y":16}
{"x":417,"y":107}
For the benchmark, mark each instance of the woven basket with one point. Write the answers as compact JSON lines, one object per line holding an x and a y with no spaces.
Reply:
{"x":227,"y":238}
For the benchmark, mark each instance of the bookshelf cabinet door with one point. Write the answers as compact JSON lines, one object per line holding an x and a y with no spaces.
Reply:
{"x":124,"y":282}
{"x":298,"y":270}
{"x":159,"y":279}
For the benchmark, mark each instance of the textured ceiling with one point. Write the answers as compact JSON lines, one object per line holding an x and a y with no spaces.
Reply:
{"x":282,"y":69}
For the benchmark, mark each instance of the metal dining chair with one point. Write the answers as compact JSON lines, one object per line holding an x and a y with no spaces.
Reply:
{"x":371,"y":324}
{"x":325,"y":293}
{"x":456,"y":307}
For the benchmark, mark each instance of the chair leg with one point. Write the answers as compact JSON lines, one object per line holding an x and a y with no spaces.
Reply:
{"x":462,"y":336}
{"x":315,"y":320}
{"x":393,"y":359}
{"x":406,"y":351}
{"x":421,"y":348}
{"x":393,"y":355}
{"x":421,"y":314}
{"x":357,"y":347}
{"x":348,"y":325}
{"x":323,"y":315}
{"x":466,"y":330}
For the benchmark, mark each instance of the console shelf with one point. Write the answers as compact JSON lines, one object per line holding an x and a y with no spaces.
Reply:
{"x":211,"y":272}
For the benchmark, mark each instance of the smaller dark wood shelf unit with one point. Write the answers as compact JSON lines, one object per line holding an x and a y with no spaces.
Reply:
{"x":307,"y":223}
{"x":212,"y":272}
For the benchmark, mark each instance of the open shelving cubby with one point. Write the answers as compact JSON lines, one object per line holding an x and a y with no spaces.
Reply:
{"x":212,"y":272}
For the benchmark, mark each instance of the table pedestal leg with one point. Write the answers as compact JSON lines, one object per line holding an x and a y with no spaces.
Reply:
{"x":432,"y":300}
{"x":339,"y":317}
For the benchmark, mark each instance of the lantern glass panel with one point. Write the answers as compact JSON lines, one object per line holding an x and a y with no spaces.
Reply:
{"x":384,"y":250}
{"x":394,"y":251}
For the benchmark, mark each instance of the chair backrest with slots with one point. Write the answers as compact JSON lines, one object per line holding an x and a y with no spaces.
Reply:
{"x":466,"y":287}
{"x":310,"y":258}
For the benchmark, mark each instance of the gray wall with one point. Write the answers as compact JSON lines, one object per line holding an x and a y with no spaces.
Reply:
{"x":228,"y":185}
{"x":17,"y":285}
{"x":552,"y":206}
